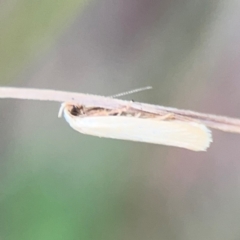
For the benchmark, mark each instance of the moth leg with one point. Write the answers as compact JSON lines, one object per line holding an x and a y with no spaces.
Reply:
{"x":138,"y":115}
{"x":120,"y":111}
{"x":103,"y":112}
{"x":168,"y":116}
{"x":107,"y":112}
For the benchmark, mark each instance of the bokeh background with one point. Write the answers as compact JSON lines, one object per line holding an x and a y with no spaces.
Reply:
{"x":58,"y":184}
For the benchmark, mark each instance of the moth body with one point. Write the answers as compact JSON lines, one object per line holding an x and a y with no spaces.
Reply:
{"x":127,"y":126}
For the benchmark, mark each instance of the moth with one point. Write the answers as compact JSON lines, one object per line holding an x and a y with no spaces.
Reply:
{"x":135,"y":125}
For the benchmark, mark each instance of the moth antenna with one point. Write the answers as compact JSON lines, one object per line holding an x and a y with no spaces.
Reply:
{"x":131,"y":91}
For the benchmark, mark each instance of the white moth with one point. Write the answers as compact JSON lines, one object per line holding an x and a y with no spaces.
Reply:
{"x":136,"y":125}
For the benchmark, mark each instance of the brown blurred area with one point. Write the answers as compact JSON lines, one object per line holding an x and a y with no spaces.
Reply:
{"x":56,"y":182}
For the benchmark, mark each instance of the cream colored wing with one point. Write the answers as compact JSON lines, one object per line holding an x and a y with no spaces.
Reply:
{"x":189,"y":135}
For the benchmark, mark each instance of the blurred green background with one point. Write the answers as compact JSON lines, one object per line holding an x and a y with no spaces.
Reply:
{"x":58,"y":184}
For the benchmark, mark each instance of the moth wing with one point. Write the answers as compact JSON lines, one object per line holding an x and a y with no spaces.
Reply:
{"x":189,"y":135}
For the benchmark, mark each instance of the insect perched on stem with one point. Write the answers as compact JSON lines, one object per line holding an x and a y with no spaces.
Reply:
{"x":136,"y":125}
{"x":119,"y":119}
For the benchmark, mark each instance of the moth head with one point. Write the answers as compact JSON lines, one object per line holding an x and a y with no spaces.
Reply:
{"x":70,"y":108}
